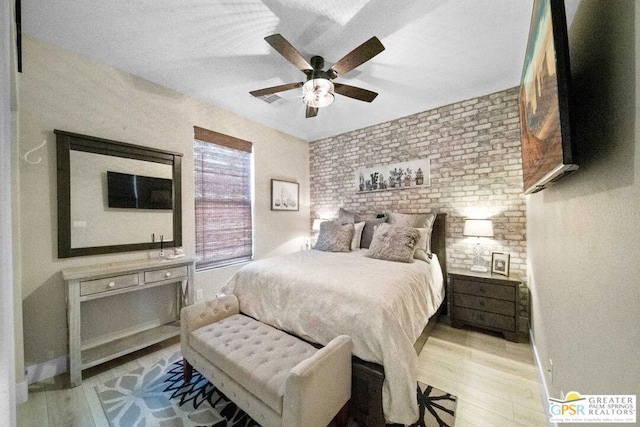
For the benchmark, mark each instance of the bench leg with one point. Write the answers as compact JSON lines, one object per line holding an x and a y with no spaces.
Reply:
{"x":342,"y":417}
{"x":187,"y":370}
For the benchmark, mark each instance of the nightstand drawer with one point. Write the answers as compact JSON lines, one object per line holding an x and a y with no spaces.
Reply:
{"x":481,"y":318}
{"x":492,"y":305}
{"x":107,"y":284}
{"x":488,"y":290}
{"x":164,"y":274}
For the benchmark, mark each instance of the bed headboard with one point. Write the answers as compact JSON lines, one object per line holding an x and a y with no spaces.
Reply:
{"x":438,"y":241}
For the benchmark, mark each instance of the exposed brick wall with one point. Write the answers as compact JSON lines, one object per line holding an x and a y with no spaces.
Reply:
{"x":474,"y":148}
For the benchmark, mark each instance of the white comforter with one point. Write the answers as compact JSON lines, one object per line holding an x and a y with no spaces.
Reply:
{"x":382,"y":305}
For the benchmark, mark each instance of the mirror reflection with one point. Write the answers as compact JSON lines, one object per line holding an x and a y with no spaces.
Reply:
{"x":95,"y":221}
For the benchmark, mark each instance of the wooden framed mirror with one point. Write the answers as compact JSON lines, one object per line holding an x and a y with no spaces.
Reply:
{"x":116,"y":197}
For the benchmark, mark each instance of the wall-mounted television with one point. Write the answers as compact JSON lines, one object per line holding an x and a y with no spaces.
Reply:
{"x":548,"y":152}
{"x":138,"y":192}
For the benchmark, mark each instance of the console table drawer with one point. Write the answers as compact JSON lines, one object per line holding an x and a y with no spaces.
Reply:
{"x":107,"y":284}
{"x":508,"y":308}
{"x":165,"y":274}
{"x":489,"y":290}
{"x":482,"y":318}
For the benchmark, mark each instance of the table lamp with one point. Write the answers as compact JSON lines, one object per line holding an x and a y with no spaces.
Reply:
{"x":478,"y":228}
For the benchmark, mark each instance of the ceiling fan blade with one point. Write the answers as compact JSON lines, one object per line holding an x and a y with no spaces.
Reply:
{"x":289,"y":52}
{"x":275,"y":89}
{"x":356,"y":57}
{"x":311,"y":112}
{"x":355,"y":92}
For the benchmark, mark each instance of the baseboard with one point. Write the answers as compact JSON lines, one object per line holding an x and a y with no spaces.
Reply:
{"x":22,"y":392}
{"x":542,"y":382}
{"x":45,"y":370}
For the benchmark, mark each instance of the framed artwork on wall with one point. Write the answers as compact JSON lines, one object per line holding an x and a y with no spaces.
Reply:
{"x":284,"y":195}
{"x":396,"y":176}
{"x":548,"y":151}
{"x":500,"y":263}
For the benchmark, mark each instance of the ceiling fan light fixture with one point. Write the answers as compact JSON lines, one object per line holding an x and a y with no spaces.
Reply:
{"x":318,"y":92}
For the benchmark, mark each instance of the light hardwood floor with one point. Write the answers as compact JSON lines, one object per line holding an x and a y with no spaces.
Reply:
{"x":494,"y":379}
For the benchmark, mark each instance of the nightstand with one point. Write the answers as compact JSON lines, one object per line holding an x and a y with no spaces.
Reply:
{"x":485,"y":300}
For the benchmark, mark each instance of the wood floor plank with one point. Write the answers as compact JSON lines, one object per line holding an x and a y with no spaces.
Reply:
{"x":482,"y":399}
{"x":528,"y":417}
{"x":33,"y":412}
{"x":491,"y":375}
{"x":68,"y":407}
{"x":97,"y":413}
{"x":480,"y":417}
{"x":487,"y":375}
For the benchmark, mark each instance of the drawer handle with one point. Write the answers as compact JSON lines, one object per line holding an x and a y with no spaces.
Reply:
{"x":481,"y":303}
{"x":112,"y":284}
{"x":167,"y":274}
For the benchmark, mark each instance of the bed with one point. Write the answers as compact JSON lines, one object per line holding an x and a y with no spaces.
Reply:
{"x":386,"y":307}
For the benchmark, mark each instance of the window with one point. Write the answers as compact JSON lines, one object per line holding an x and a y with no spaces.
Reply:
{"x":222,"y":169}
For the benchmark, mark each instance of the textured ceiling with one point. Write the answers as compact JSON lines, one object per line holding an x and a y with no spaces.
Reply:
{"x":437,"y":51}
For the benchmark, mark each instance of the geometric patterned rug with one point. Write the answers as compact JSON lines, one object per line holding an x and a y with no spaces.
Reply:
{"x":156,"y":396}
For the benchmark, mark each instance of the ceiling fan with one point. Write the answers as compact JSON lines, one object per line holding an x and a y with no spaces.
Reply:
{"x":318,"y":90}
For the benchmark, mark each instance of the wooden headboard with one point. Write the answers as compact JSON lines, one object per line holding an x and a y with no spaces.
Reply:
{"x":438,"y":241}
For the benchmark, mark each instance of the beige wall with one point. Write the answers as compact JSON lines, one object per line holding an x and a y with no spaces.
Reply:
{"x":61,"y":90}
{"x":8,"y":348}
{"x":582,"y":233}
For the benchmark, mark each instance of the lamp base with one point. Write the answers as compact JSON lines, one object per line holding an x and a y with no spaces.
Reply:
{"x":479,"y":269}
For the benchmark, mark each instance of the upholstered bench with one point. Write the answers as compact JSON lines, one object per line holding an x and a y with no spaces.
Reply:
{"x":276,"y":378}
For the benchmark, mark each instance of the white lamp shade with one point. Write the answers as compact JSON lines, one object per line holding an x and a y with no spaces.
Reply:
{"x":317,"y":93}
{"x":478,"y":228}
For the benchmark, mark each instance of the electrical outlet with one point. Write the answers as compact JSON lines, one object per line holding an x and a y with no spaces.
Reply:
{"x":550,"y":370}
{"x":199,"y":294}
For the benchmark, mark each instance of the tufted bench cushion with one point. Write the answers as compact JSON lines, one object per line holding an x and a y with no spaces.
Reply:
{"x":252,"y":353}
{"x":278,"y":379}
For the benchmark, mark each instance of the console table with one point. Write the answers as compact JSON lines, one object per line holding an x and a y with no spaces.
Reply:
{"x":100,"y":282}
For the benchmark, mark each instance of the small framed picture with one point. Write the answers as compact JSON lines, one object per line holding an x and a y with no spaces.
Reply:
{"x":500,"y":263}
{"x":284,"y":195}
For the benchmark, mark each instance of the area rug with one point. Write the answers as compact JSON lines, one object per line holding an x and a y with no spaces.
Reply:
{"x":156,"y":396}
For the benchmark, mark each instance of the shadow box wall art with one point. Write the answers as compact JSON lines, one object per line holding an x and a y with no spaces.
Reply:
{"x":395,"y":176}
{"x":284,"y":195}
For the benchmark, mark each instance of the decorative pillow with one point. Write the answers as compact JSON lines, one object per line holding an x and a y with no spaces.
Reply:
{"x":411,"y":220}
{"x":344,"y":216}
{"x":367,"y":232}
{"x":416,"y":221}
{"x":423,"y":243}
{"x":358,"y":227}
{"x":334,"y":237}
{"x":394,"y":243}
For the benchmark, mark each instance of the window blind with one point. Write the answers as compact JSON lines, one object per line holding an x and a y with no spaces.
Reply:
{"x":223,"y":206}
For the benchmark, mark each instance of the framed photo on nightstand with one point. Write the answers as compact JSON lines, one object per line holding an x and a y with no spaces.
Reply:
{"x":500,"y":263}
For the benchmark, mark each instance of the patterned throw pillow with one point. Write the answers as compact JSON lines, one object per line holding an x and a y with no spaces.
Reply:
{"x":393,"y":243}
{"x":419,"y":221}
{"x":334,"y":237}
